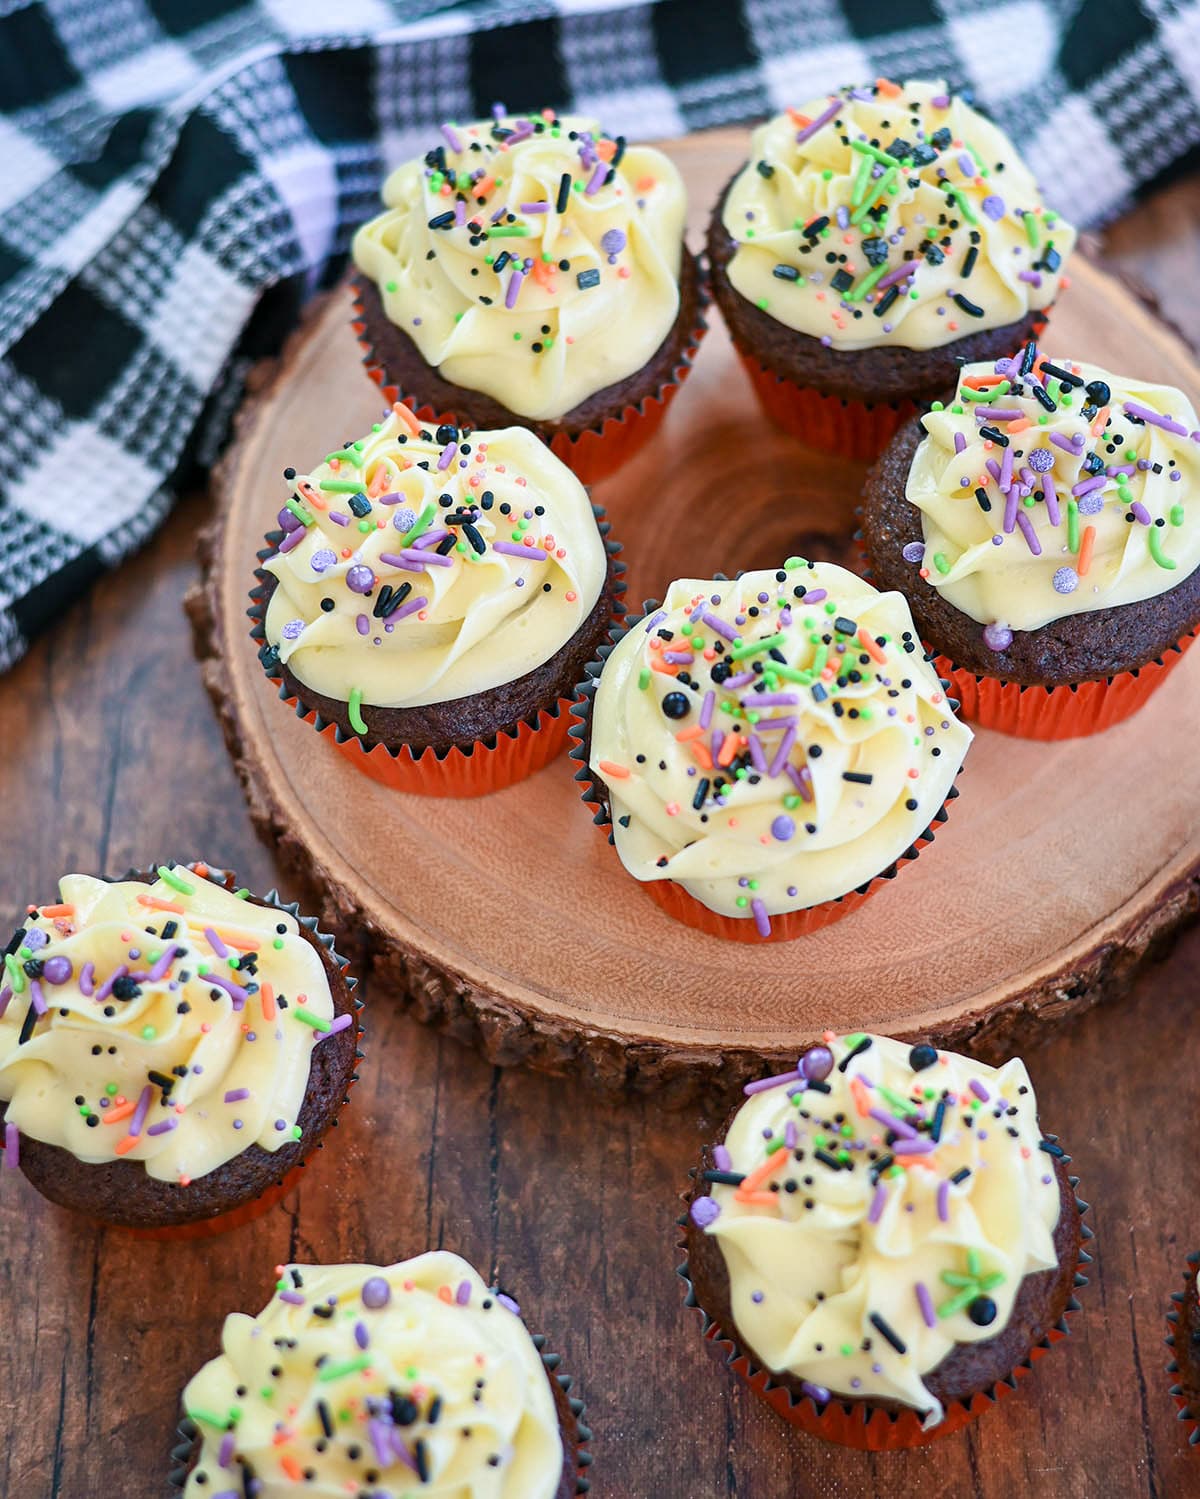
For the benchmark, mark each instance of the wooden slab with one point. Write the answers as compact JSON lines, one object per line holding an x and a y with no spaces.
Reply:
{"x":1059,"y":870}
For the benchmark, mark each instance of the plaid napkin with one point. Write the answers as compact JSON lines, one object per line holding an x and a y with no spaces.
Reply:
{"x":176,"y":176}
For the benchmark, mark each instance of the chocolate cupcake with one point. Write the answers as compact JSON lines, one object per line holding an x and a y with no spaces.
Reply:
{"x":374,"y":1380}
{"x":1184,"y":1342}
{"x":768,"y":750}
{"x":874,"y":241}
{"x":1043,"y":527}
{"x":431,"y":601}
{"x":532,"y":271}
{"x":170,"y":1051}
{"x":883,"y":1239}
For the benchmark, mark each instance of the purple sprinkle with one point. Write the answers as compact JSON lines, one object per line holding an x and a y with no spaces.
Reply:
{"x":656,"y":618}
{"x":226,"y":1450}
{"x":57,"y":970}
{"x":6,"y":995}
{"x":816,"y":124}
{"x":779,"y":1079}
{"x":446,"y":457}
{"x":783,"y":828}
{"x":1091,"y":504}
{"x":1029,"y":533}
{"x":1041,"y":460}
{"x":235,"y":991}
{"x":293,"y":1298}
{"x":105,"y":988}
{"x":163,"y":1127}
{"x":514,"y":289}
{"x":722,"y":1159}
{"x":761,"y":919}
{"x":376,"y":1292}
{"x":235,"y":1095}
{"x":463,"y":1294}
{"x":914,"y":551}
{"x":360,"y":578}
{"x":534,"y":208}
{"x":897,"y":1126}
{"x":362,"y":624}
{"x":361,"y":1336}
{"x":293,"y":629}
{"x":925,"y":1302}
{"x":341,"y":1023}
{"x":289,"y":520}
{"x":1140,"y":513}
{"x":143,"y":1108}
{"x":292,"y":540}
{"x":12,"y":1146}
{"x":1143,"y":413}
{"x":339,"y":517}
{"x":979,"y":1090}
{"x":87,"y":976}
{"x":1033,"y":277}
{"x":943,"y":1201}
{"x":322,"y":559}
{"x":612,"y":241}
{"x":705,"y":1211}
{"x":596,"y":180}
{"x":878,"y":1203}
{"x":508,"y":1304}
{"x":993,"y":206}
{"x":452,"y":139}
{"x":1065,"y":580}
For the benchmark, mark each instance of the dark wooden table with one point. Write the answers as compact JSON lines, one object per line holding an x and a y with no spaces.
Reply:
{"x":112,"y":756}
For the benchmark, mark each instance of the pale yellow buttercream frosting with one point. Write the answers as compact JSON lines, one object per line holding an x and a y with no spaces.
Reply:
{"x":420,"y":570}
{"x":903,"y":219}
{"x":408,"y":1379}
{"x":772,"y":742}
{"x":886,"y":1214}
{"x":534,"y":260}
{"x":1088,"y":505}
{"x":173,"y":1024}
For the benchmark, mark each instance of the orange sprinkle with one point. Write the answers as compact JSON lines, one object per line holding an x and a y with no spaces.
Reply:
{"x":123,"y":1147}
{"x":118,"y":1112}
{"x":156,"y":903}
{"x":692,"y":732}
{"x":729,"y":749}
{"x":644,"y":184}
{"x":859,"y":1093}
{"x":53,"y":911}
{"x":611,"y":768}
{"x":606,"y":150}
{"x":267,"y":996}
{"x":241,"y":940}
{"x":982,"y":382}
{"x":292,"y":1468}
{"x":311,"y":495}
{"x":797,"y":118}
{"x":1086,"y":542}
{"x":702,"y":756}
{"x":1019,"y":426}
{"x":1101,"y":419}
{"x":406,"y":416}
{"x":379,"y":480}
{"x":445,"y":1294}
{"x":868,"y":643}
{"x":665,"y":667}
{"x":760,"y":1173}
{"x":484,"y":186}
{"x":887,"y":88}
{"x":758,"y":1199}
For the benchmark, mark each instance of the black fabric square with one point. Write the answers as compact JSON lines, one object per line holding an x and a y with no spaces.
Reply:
{"x":122,"y":150}
{"x":73,"y":349}
{"x":331,"y":90}
{"x":178,"y":17}
{"x":34,"y":65}
{"x":700,"y":41}
{"x":46,"y":602}
{"x":868,"y":18}
{"x":205,"y":162}
{"x":520,"y":67}
{"x":1102,"y":32}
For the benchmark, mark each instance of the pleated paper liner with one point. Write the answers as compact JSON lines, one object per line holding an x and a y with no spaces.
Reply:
{"x":186,"y":1452}
{"x":1187,"y":1406}
{"x":858,"y":1423}
{"x":672,"y":897}
{"x":1067,"y":712}
{"x":852,"y":429}
{"x":511,"y":754}
{"x":255,"y":1207}
{"x":592,"y":454}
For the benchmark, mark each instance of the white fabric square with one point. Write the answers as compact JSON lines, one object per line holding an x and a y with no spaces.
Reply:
{"x":84,"y":239}
{"x":26,"y":165}
{"x":84,"y":484}
{"x":200,"y":315}
{"x":161,"y":72}
{"x":1006,"y":48}
{"x":1181,"y":41}
{"x":303,"y":18}
{"x":647,"y":111}
{"x":1070,"y":135}
{"x":306,"y":180}
{"x":795,"y":78}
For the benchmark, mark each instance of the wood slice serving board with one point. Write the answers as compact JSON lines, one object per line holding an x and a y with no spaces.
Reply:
{"x":1059,"y":869}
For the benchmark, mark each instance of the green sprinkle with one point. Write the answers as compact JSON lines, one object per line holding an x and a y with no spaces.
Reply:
{"x":176,"y":882}
{"x":968,"y":394}
{"x":940,"y":562}
{"x":753,"y":647}
{"x":1177,"y":515}
{"x":508,"y":231}
{"x":874,"y":152}
{"x":389,"y":286}
{"x":1032,"y":233}
{"x":338,"y":1371}
{"x":883,"y":185}
{"x":861,"y":288}
{"x":897,"y":1102}
{"x":277,"y":944}
{"x":341,"y":486}
{"x":354,"y":455}
{"x":960,"y":198}
{"x":420,"y":525}
{"x":861,"y":178}
{"x":148,"y":1033}
{"x":957,"y":1303}
{"x":16,"y":973}
{"x":357,"y":722}
{"x":1073,"y":525}
{"x":1157,"y":552}
{"x":242,"y":894}
{"x":306,"y":1017}
{"x":220,"y":1422}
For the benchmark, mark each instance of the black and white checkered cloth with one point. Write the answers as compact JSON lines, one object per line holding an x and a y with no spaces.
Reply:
{"x":176,"y":176}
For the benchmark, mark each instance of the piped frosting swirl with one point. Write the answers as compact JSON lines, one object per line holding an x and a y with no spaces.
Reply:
{"x":1050,"y":488}
{"x":534,"y":259}
{"x":876,"y":1207}
{"x":414,"y":1378}
{"x":169,"y":1024}
{"x":774,"y":741}
{"x":891,"y":215}
{"x":421,"y":566}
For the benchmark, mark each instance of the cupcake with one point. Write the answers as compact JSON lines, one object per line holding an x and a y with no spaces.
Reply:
{"x":768,"y":750}
{"x":1040,"y":526}
{"x":171,"y":1050}
{"x":876,"y":240}
{"x":366,"y":1380}
{"x":431,"y":600}
{"x":1184,"y":1342}
{"x":883,"y":1240}
{"x":532,"y":271}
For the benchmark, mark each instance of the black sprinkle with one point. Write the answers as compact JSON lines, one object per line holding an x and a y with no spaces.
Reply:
{"x":984,"y":502}
{"x":885,"y":1330}
{"x":859,"y":777}
{"x":972,"y":309}
{"x":724,"y":1178}
{"x":995,"y":434}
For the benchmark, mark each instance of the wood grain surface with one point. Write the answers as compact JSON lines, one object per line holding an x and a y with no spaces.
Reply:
{"x":645,"y":1006}
{"x":112,"y":755}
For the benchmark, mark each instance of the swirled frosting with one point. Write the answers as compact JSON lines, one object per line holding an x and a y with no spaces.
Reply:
{"x":419,"y":567}
{"x":861,"y":1252}
{"x":772,"y":742}
{"x":357,"y":1379}
{"x":1049,"y":488}
{"x":891,"y":215}
{"x":170,"y":1024}
{"x":536,"y":260}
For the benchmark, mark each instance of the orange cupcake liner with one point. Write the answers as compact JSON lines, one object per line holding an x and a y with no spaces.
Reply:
{"x":672,"y":897}
{"x":593,"y":454}
{"x":1188,"y":1413}
{"x":511,"y":754}
{"x":853,"y":429}
{"x":858,"y":1423}
{"x":1067,"y":712}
